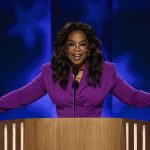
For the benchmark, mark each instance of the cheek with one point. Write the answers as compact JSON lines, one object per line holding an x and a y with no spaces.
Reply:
{"x":70,"y":57}
{"x":69,"y":52}
{"x":85,"y":53}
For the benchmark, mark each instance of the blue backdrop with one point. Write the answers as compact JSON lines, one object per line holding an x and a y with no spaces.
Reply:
{"x":27,"y":32}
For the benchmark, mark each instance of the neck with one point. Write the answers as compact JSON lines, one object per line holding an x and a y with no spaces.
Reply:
{"x":81,"y":67}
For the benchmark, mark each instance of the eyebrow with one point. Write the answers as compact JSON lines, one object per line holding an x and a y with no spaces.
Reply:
{"x":75,"y":41}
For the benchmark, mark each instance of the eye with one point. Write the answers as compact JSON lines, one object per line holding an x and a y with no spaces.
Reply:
{"x":70,"y":44}
{"x":84,"y":44}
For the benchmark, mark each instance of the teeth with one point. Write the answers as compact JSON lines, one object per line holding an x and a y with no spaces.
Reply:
{"x":77,"y":56}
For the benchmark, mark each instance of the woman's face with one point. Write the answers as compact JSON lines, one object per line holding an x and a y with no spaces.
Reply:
{"x":77,"y":47}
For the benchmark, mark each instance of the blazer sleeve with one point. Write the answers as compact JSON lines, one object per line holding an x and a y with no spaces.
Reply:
{"x":25,"y":95}
{"x":128,"y":94}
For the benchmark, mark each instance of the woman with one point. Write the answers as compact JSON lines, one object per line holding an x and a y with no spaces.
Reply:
{"x":76,"y":43}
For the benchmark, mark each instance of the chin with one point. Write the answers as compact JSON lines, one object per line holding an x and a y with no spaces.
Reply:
{"x":78,"y":62}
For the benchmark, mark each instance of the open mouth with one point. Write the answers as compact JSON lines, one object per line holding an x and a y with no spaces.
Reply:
{"x":77,"y":56}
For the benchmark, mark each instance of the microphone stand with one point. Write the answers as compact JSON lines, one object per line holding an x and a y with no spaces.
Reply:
{"x":75,"y":85}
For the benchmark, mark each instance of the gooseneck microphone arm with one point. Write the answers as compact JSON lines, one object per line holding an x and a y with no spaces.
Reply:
{"x":75,"y":85}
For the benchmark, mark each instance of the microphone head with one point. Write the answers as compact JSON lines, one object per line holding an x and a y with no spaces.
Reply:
{"x":75,"y":70}
{"x":75,"y":84}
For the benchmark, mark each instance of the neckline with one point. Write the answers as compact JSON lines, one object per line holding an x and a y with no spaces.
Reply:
{"x":83,"y":74}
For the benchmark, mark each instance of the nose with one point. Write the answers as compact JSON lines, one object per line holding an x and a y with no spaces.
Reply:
{"x":77,"y":47}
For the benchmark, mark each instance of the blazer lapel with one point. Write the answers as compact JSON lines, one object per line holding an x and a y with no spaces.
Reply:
{"x":69,"y":86}
{"x":83,"y":84}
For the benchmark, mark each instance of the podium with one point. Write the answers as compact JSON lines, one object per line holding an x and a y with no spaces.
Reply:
{"x":74,"y":134}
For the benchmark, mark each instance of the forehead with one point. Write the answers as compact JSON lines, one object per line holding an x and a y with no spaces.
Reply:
{"x":77,"y":35}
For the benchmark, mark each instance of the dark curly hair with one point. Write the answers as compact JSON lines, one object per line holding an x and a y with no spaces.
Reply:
{"x":60,"y":62}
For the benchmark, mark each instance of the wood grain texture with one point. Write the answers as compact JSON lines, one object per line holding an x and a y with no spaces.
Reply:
{"x":74,"y":134}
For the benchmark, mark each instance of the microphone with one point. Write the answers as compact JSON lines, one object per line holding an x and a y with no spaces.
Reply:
{"x":75,"y":85}
{"x":75,"y":71}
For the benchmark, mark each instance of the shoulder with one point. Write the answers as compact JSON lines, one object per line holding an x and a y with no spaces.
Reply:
{"x":46,"y":65}
{"x":107,"y":64}
{"x":108,"y":67}
{"x":46,"y":68}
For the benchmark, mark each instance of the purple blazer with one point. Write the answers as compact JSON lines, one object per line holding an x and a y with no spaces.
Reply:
{"x":89,"y":100}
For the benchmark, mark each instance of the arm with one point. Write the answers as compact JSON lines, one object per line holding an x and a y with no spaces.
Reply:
{"x":24,"y":95}
{"x":126,"y":93}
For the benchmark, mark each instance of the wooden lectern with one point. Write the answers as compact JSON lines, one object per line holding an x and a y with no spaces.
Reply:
{"x":74,"y":134}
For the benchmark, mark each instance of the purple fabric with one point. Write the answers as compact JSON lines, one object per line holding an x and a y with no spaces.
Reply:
{"x":89,"y":100}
